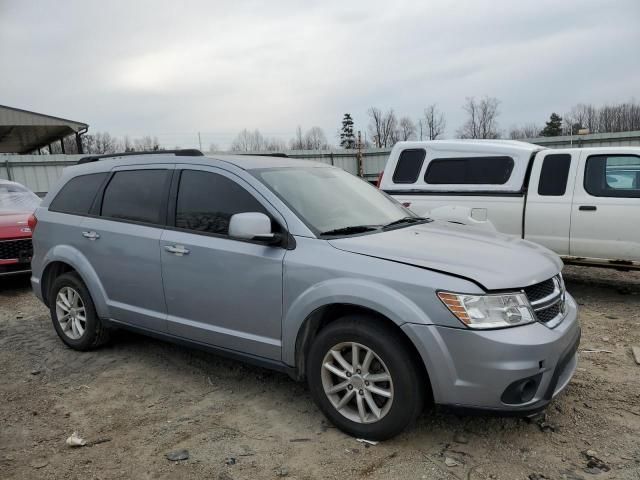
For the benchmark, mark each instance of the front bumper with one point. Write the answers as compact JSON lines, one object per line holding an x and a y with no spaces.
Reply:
{"x":473,"y":369}
{"x":14,"y":267}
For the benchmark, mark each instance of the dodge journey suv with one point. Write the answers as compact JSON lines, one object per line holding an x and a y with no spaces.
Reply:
{"x":304,"y":268}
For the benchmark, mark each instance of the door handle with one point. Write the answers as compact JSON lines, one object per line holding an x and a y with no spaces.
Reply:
{"x":588,"y":208}
{"x":178,"y":250}
{"x":91,"y":235}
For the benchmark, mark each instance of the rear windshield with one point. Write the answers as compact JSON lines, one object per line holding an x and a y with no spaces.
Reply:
{"x":17,"y":199}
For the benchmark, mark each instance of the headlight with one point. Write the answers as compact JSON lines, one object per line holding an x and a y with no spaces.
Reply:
{"x":489,"y":311}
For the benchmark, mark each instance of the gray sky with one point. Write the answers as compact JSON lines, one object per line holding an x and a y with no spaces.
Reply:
{"x":174,"y":68}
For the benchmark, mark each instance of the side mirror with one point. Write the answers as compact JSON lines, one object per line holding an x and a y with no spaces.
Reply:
{"x":252,"y":226}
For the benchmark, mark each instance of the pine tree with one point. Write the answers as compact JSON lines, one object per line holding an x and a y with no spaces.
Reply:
{"x":347,"y":139}
{"x":553,"y":127}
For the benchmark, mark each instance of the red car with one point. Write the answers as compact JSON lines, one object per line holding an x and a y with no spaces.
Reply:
{"x":17,"y":203}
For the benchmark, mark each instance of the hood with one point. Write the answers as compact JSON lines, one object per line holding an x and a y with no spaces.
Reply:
{"x":14,"y":225}
{"x":495,"y":261}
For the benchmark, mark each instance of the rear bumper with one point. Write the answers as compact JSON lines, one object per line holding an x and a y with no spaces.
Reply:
{"x":472,"y":369}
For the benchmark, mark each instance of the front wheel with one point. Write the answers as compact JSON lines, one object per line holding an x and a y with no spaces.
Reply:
{"x":363,"y":378}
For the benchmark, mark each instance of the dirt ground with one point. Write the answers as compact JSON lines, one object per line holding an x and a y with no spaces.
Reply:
{"x":138,"y":399}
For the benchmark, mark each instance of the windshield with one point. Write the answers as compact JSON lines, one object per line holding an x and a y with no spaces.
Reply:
{"x":17,"y":199}
{"x":329,"y":199}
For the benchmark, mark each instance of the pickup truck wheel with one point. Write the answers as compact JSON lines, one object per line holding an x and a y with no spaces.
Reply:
{"x":363,"y":379}
{"x":74,"y":315}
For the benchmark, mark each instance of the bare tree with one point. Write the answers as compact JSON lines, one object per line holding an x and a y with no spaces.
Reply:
{"x":247,"y":141}
{"x":482,"y":121}
{"x":275,"y":145}
{"x":529,"y":130}
{"x":382,"y":127}
{"x":315,"y":139}
{"x":406,"y":129}
{"x":213,"y":147}
{"x":434,"y":122}
{"x":146,"y":144}
{"x":297,"y":142}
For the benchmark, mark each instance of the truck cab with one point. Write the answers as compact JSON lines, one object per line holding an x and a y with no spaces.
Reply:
{"x":582,"y":203}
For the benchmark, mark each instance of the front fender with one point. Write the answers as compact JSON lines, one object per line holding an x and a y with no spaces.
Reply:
{"x":362,"y":293}
{"x":74,"y":258}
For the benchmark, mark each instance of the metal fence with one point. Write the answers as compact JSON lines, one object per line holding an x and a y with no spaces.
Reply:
{"x":37,"y":172}
{"x":40,"y":172}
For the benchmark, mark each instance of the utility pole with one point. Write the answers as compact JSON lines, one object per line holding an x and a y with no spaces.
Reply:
{"x":199,"y":141}
{"x":359,"y":156}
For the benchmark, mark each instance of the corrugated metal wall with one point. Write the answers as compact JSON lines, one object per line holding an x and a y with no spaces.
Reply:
{"x":618,"y":139}
{"x":37,"y":172}
{"x":40,"y":172}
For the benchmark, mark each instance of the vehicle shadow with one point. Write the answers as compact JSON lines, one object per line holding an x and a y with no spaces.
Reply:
{"x":11,"y":284}
{"x":602,"y":284}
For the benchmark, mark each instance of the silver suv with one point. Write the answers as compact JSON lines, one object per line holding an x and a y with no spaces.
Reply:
{"x":301,"y":267}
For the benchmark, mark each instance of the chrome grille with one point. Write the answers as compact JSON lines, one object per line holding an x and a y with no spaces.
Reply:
{"x":16,"y":249}
{"x":547,"y":300}
{"x":540,"y":290}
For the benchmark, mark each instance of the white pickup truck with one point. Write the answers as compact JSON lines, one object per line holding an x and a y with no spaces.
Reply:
{"x":582,"y":203}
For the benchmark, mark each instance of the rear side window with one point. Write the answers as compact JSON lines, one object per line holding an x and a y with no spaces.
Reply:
{"x":77,"y":196}
{"x":409,"y":166}
{"x":137,"y":195}
{"x":469,"y":171}
{"x":554,"y":175}
{"x":613,"y":176}
{"x":206,"y":202}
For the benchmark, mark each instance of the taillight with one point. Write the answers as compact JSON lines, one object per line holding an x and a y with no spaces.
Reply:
{"x":379,"y":181}
{"x":32,"y":222}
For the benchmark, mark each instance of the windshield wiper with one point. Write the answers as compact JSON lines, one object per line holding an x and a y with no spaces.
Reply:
{"x":351,"y":230}
{"x":407,"y":220}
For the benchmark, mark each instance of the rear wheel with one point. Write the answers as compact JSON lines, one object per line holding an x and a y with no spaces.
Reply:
{"x":74,"y":315}
{"x":363,"y":378}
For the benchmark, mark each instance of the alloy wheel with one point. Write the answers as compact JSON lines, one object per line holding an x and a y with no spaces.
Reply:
{"x":357,"y":382}
{"x":71,"y":313}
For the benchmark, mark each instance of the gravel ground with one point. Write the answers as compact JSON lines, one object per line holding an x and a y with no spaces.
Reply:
{"x":138,"y":399}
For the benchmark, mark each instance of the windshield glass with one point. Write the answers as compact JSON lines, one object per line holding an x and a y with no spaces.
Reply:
{"x":329,"y":199}
{"x":17,"y":199}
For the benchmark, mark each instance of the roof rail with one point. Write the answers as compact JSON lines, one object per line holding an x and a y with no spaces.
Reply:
{"x":281,"y":155}
{"x":187,"y":152}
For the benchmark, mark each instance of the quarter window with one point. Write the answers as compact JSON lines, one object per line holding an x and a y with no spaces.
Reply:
{"x":554,"y":175}
{"x":206,"y":202}
{"x":77,"y":196}
{"x":613,"y":176}
{"x":137,"y":195}
{"x":409,"y":166}
{"x":469,"y":171}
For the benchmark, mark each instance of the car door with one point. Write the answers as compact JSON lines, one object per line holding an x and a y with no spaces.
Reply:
{"x":605,"y":217}
{"x":548,"y":208}
{"x":122,"y":243}
{"x":219,"y":290}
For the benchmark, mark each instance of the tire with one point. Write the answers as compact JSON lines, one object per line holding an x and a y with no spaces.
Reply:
{"x":390,"y":356}
{"x":93,"y":333}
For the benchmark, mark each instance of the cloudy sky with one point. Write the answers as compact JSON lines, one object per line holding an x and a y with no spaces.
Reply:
{"x":174,"y":68}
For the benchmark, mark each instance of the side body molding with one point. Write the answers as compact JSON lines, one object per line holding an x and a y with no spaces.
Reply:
{"x":73,"y":257}
{"x":352,"y":291}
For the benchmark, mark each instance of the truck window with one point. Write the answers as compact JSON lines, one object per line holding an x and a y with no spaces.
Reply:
{"x":554,"y":175}
{"x":409,"y":165}
{"x":613,"y":176}
{"x":469,"y":171}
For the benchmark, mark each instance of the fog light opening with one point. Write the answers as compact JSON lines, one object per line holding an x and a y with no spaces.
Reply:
{"x":522,"y":391}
